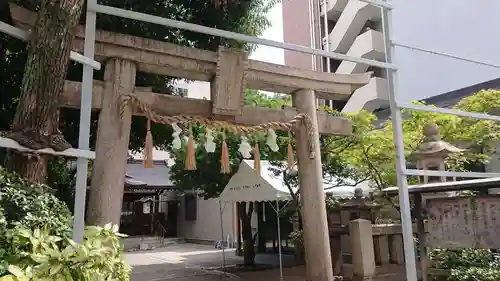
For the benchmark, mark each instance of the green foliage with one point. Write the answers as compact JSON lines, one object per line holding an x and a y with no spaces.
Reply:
{"x":35,"y":228}
{"x":370,"y":151}
{"x":467,"y":264}
{"x":248,"y":17}
{"x":297,"y":238}
{"x":207,"y":178}
{"x":32,"y":206}
{"x":38,"y":255}
{"x":259,"y":99}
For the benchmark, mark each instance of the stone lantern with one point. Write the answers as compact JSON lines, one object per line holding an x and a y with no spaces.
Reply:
{"x":359,"y":208}
{"x":432,"y":153}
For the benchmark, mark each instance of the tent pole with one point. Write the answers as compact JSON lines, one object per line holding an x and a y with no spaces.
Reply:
{"x":222,"y":238}
{"x":279,"y":238}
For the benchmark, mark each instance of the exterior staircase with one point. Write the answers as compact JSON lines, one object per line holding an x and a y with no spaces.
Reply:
{"x":368,"y":45}
{"x":350,"y":24}
{"x":352,"y":37}
{"x":152,"y":242}
{"x":370,"y":97}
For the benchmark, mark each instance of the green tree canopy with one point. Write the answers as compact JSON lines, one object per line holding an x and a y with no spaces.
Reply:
{"x":247,"y":16}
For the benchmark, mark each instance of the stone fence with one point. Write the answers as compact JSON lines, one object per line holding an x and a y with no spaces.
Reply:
{"x":376,"y":252}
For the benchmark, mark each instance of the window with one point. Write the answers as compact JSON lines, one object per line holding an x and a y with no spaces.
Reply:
{"x":183,"y":92}
{"x":190,"y":210}
{"x":128,"y":208}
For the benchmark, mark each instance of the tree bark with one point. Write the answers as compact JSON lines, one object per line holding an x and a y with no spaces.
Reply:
{"x":261,"y":245}
{"x":246,"y":225}
{"x":43,"y":81}
{"x":239,"y":251}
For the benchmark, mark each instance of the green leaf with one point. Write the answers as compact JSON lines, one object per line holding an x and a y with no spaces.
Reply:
{"x":8,"y":278}
{"x":16,"y":271}
{"x":39,"y":258}
{"x":55,"y":269}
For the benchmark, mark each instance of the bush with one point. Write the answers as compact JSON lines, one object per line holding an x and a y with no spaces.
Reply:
{"x":32,"y":206}
{"x":37,"y":255}
{"x":35,"y":231}
{"x":467,"y":264}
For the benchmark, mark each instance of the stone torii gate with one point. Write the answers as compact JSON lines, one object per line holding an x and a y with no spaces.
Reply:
{"x":229,"y":72}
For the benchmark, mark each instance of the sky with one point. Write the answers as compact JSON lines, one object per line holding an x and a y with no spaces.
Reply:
{"x":201,"y":90}
{"x":460,"y":27}
{"x":456,"y":27}
{"x":275,"y":32}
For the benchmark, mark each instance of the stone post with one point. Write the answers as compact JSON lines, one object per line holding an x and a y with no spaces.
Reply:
{"x":106,"y":193}
{"x":316,"y":240}
{"x":363,"y":256}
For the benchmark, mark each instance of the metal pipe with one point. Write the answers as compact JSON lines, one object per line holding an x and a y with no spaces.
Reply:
{"x":221,"y":210}
{"x":475,"y":115}
{"x":84,"y":131}
{"x":432,"y":173}
{"x":23,"y":35}
{"x":231,"y":35}
{"x":327,"y":43}
{"x":311,"y":32}
{"x":494,"y":65}
{"x":404,"y":196}
{"x":279,"y":238}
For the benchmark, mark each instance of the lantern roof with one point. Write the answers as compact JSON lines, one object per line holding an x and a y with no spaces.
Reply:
{"x":433,"y":145}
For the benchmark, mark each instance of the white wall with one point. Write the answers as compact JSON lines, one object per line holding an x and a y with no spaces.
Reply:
{"x":206,"y":227}
{"x":461,"y":27}
{"x":196,"y":89}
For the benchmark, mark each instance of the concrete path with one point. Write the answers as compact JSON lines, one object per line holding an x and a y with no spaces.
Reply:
{"x":189,"y":262}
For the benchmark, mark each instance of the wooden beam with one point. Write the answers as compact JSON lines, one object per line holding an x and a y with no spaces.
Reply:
{"x":163,"y":58}
{"x":175,"y":105}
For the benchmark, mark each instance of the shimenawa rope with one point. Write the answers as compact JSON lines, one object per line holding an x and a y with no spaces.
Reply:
{"x":132,"y":100}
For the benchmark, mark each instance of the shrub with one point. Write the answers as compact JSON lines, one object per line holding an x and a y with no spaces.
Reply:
{"x":35,"y":228}
{"x":467,"y":264}
{"x":32,"y":206}
{"x":37,"y":255}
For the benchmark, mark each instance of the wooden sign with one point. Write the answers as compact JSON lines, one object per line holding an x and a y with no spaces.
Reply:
{"x":227,"y":91}
{"x":464,"y":222}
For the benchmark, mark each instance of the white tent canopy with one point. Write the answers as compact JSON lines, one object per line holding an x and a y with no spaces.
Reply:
{"x":247,"y":186}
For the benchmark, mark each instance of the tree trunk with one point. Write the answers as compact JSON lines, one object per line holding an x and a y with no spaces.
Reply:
{"x":43,"y":81}
{"x":246,"y":225}
{"x":261,"y":241}
{"x":239,"y":251}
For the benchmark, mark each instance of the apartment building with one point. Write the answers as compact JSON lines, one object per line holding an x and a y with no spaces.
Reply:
{"x":354,"y":28}
{"x":349,"y":27}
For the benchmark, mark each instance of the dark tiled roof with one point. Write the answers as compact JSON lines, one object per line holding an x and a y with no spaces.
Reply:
{"x":156,"y":177}
{"x":451,"y":98}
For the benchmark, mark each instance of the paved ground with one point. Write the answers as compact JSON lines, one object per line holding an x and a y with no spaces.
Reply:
{"x":191,"y":262}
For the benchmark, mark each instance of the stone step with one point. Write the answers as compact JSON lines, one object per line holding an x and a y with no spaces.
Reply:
{"x":149,"y":242}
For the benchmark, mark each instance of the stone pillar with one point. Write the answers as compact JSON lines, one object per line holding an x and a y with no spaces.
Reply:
{"x":316,"y":240}
{"x":106,"y":193}
{"x":363,"y":256}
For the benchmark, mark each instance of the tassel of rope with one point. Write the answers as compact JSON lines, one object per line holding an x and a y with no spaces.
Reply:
{"x":190,"y":162}
{"x":301,"y":118}
{"x":148,"y":147}
{"x":225,"y":167}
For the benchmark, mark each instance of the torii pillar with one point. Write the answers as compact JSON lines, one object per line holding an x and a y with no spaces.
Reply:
{"x":316,"y":239}
{"x":113,"y":133}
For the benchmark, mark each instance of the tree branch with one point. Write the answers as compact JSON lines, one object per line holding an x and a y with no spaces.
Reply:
{"x":348,"y":184}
